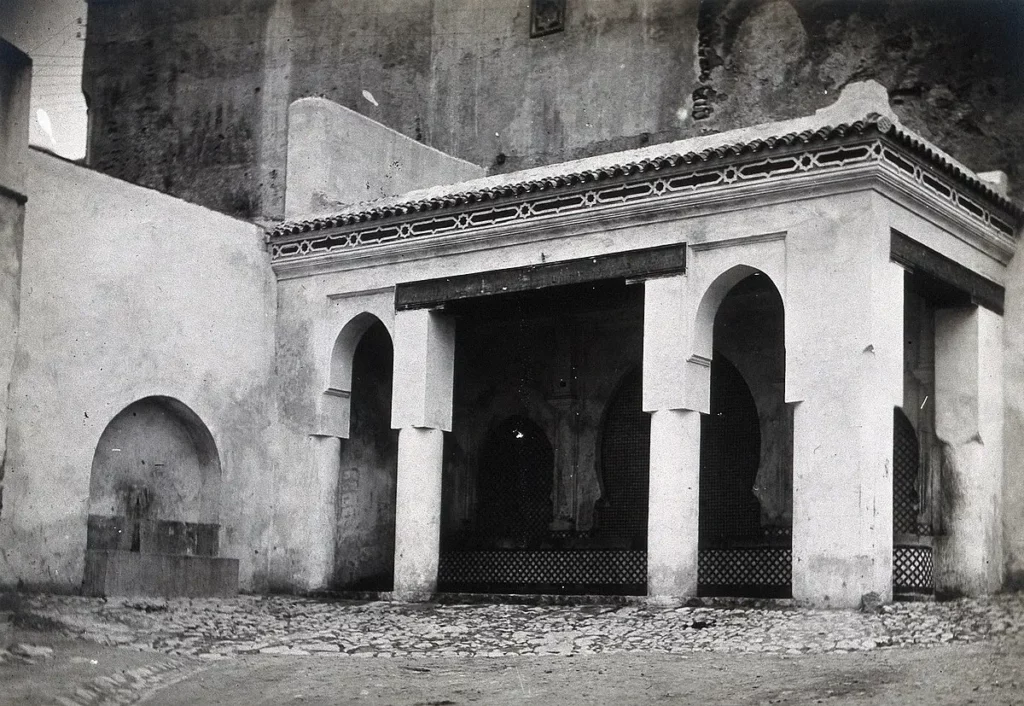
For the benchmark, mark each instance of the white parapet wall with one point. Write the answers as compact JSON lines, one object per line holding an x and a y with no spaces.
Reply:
{"x":338,"y":157}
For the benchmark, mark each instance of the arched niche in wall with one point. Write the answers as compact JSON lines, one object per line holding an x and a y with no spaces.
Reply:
{"x":155,"y":485}
{"x":335,"y":409}
{"x":625,"y":450}
{"x":746,"y":470}
{"x":364,"y":538}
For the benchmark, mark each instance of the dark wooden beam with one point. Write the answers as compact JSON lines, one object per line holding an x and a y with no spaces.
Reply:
{"x":649,"y":262}
{"x":921,"y":259}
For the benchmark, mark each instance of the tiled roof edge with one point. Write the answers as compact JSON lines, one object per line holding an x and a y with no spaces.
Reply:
{"x":410,"y":203}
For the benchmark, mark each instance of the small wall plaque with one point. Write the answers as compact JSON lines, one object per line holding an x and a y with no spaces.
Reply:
{"x":546,"y":17}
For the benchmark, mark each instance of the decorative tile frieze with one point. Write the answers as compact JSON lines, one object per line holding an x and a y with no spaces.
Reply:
{"x":871,"y":143}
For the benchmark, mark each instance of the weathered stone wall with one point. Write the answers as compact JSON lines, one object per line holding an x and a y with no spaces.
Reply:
{"x":191,"y":97}
{"x":952,"y":68}
{"x":174,"y":90}
{"x":619,"y":76}
{"x":127,"y":294}
{"x":15,"y":87}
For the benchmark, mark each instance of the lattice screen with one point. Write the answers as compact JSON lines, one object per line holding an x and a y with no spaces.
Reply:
{"x":913,"y":569}
{"x":906,"y":463}
{"x":730,"y":452}
{"x":625,"y":462}
{"x":753,"y":571}
{"x":553,"y":571}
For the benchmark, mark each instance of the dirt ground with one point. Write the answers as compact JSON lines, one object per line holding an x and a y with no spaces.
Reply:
{"x":990,"y":673}
{"x":940,"y":676}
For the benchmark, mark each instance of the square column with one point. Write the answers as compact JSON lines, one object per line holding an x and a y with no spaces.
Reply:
{"x":418,"y":512}
{"x":674,"y":504}
{"x":969,"y":422}
{"x":844,"y":368}
{"x":671,"y":393}
{"x":421,"y":408}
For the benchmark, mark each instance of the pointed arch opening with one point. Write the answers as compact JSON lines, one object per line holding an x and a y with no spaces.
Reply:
{"x":335,"y":405}
{"x":746,"y":465}
{"x":365,"y":501}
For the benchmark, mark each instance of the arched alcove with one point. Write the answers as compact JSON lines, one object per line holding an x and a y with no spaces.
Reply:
{"x":335,"y":404}
{"x":625,"y":466}
{"x":364,"y":545}
{"x":746,"y":467}
{"x":730,"y":445}
{"x":155,"y":484}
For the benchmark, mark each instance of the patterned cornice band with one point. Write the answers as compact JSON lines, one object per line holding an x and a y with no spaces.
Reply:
{"x":873,"y":141}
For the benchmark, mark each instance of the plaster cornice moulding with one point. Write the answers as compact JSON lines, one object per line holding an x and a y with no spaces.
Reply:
{"x":637,"y":185}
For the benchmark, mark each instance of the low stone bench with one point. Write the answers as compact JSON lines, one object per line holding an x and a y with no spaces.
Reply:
{"x":121,"y":573}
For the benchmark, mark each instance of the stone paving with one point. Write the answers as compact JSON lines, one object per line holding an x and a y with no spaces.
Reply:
{"x":221,"y":628}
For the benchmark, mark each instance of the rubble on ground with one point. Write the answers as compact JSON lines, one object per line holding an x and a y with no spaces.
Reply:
{"x":301,"y":626}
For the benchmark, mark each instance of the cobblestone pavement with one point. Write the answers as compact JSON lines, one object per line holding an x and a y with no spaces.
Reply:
{"x":220,"y":628}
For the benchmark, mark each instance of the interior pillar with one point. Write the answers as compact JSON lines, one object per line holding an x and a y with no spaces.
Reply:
{"x":673,"y":503}
{"x":969,"y":422}
{"x":844,"y":369}
{"x":421,"y":408}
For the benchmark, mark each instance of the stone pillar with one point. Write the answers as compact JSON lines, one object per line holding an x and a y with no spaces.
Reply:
{"x":674,"y":504}
{"x":969,"y":422}
{"x":844,"y":369}
{"x":421,"y":408}
{"x":418,"y":512}
{"x":672,"y":394}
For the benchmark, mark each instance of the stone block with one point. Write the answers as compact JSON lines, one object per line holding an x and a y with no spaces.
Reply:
{"x":118,"y":573}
